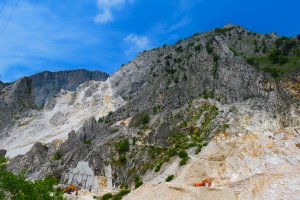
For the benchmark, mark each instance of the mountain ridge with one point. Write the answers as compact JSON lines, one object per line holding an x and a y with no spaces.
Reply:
{"x":228,"y":92}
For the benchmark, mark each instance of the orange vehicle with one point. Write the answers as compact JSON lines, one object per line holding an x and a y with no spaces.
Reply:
{"x":205,"y":182}
{"x":70,"y":189}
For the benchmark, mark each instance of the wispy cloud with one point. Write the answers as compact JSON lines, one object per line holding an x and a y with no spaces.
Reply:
{"x":135,"y":44}
{"x":106,"y":7}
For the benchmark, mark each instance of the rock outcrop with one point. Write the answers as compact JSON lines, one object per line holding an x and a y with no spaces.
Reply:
{"x":48,"y":84}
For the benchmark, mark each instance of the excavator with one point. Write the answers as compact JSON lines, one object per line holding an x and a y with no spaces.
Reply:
{"x":205,"y":182}
{"x":70,"y":189}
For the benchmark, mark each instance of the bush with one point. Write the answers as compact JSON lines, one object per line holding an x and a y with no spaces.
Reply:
{"x":122,"y":159}
{"x":123,"y":146}
{"x":209,"y":48}
{"x":120,"y":194}
{"x":183,"y":154}
{"x":56,"y":156}
{"x":172,"y":152}
{"x":179,"y":49}
{"x":114,"y":130}
{"x":117,"y":196}
{"x":144,"y":119}
{"x":169,"y":178}
{"x":106,"y":196}
{"x":251,"y":61}
{"x":137,"y":182}
{"x":184,"y":161}
{"x":283,"y":60}
{"x":17,"y":187}
{"x":157,"y":168}
{"x":198,"y":47}
{"x":223,"y":30}
{"x":88,"y":142}
{"x":274,"y":56}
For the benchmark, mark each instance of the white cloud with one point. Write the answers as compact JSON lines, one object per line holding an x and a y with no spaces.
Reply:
{"x":106,"y":7}
{"x":104,"y":17}
{"x":135,"y":43}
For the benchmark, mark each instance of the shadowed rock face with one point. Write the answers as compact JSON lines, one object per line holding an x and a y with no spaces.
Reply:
{"x":15,"y":99}
{"x":48,"y":84}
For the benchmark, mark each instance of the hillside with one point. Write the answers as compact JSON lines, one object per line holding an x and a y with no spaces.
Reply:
{"x":221,"y":105}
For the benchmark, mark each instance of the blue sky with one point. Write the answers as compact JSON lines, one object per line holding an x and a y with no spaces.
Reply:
{"x":103,"y":34}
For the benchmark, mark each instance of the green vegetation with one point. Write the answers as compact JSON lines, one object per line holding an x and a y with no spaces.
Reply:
{"x":184,"y":161}
{"x":137,"y":182}
{"x":117,"y":196}
{"x":222,"y":31}
{"x":16,"y":187}
{"x":283,"y":58}
{"x":157,"y":109}
{"x":143,"y":119}
{"x":107,"y":196}
{"x":88,"y":142}
{"x":56,"y":156}
{"x":183,"y":154}
{"x":179,"y":49}
{"x":170,"y":178}
{"x":198,"y":47}
{"x":182,"y":138}
{"x":208,"y":94}
{"x":114,"y":130}
{"x":209,"y":47}
{"x":106,"y":119}
{"x":123,"y":146}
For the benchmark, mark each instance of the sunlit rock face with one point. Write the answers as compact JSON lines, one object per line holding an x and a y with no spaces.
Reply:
{"x":67,"y":111}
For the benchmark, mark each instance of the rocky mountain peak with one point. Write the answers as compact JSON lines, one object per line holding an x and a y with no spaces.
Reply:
{"x":221,"y":106}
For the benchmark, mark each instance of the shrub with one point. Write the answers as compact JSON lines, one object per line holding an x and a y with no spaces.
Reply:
{"x":172,"y":152}
{"x":117,"y":196}
{"x":88,"y":142}
{"x":226,"y":126}
{"x":169,"y":178}
{"x":283,"y":60}
{"x":168,"y":63}
{"x":56,"y":156}
{"x":122,"y":158}
{"x":137,"y":182}
{"x":106,"y":196}
{"x":144,"y":119}
{"x":114,"y":130}
{"x":198,"y":47}
{"x":178,"y":60}
{"x":17,"y":187}
{"x":120,"y":194}
{"x":184,"y":161}
{"x":168,"y":57}
{"x":209,"y":48}
{"x":183,"y":154}
{"x":274,"y":56}
{"x":123,"y":146}
{"x":251,"y":61}
{"x":179,"y":49}
{"x":179,"y":41}
{"x":216,"y":57}
{"x":223,"y":30}
{"x":157,"y":168}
